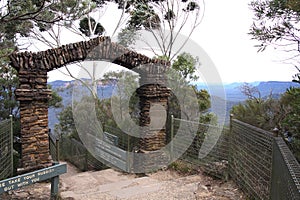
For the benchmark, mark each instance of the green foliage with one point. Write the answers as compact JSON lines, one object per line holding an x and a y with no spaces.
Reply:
{"x":292,"y":99}
{"x":56,"y":100}
{"x":184,"y":68}
{"x":153,"y":15}
{"x":192,"y":6}
{"x":127,"y":82}
{"x":271,"y":113}
{"x":169,"y":15}
{"x":276,"y":20}
{"x":125,"y":94}
{"x":291,"y":122}
{"x":143,"y":16}
{"x":183,"y":168}
{"x":264,"y":113}
{"x":277,"y":23}
{"x":22,"y":18}
{"x":66,"y":122}
{"x":127,"y":37}
{"x":185,"y":64}
{"x":203,"y":99}
{"x":8,"y":82}
{"x":88,"y":27}
{"x":296,"y":77}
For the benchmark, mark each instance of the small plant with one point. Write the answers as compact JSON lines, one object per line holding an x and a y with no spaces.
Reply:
{"x":183,"y":167}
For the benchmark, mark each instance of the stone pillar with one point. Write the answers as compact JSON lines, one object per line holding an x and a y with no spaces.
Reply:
{"x":153,"y":94}
{"x":153,"y":114}
{"x":33,"y":96}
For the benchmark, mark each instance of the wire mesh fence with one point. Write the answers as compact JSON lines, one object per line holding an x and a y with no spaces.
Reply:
{"x":285,"y":173}
{"x":251,"y":159}
{"x":124,"y":140}
{"x":215,"y":160}
{"x":261,"y":164}
{"x":76,"y":153}
{"x":6,"y":149}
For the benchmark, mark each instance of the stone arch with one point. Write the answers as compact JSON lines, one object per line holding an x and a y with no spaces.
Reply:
{"x":33,"y":94}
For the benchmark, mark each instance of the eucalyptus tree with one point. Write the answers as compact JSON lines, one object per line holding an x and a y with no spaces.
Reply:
{"x":276,"y":24}
{"x":165,"y":20}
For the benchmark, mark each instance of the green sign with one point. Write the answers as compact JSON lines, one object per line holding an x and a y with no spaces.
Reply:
{"x":32,"y":177}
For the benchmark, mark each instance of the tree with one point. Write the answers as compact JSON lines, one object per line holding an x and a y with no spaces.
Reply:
{"x":277,"y":24}
{"x":250,"y":91}
{"x":165,"y":20}
{"x":296,"y":77}
{"x":264,"y":112}
{"x":56,"y":100}
{"x":126,"y":83}
{"x":185,"y":65}
{"x":103,"y":107}
{"x":184,"y":68}
{"x":89,"y":27}
{"x":8,"y":82}
{"x":269,"y":113}
{"x":21,"y":19}
{"x":291,"y":122}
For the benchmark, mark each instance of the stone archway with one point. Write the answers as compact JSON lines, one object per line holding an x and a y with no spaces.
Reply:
{"x":33,"y":94}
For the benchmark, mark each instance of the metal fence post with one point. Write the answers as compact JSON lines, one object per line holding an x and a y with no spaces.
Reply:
{"x":230,"y":123}
{"x":11,"y":144}
{"x":128,"y":154}
{"x":231,"y":143}
{"x":86,"y":160}
{"x":54,"y":185}
{"x":172,"y":135}
{"x":57,"y":149}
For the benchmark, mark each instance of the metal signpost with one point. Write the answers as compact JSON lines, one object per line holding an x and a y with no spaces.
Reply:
{"x":52,"y":173}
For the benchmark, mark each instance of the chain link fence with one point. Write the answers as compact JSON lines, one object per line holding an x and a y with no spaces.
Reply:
{"x":6,"y":149}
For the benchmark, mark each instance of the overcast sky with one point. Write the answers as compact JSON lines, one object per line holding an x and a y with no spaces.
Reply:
{"x":223,"y":36}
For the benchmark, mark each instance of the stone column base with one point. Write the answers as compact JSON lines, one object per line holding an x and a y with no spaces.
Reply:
{"x":151,"y":162}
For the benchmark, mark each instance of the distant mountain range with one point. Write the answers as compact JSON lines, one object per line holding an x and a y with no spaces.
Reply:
{"x":274,"y":88}
{"x":233,"y":95}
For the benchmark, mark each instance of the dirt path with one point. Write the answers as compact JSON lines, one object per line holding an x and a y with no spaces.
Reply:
{"x":162,"y":185}
{"x":113,"y":185}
